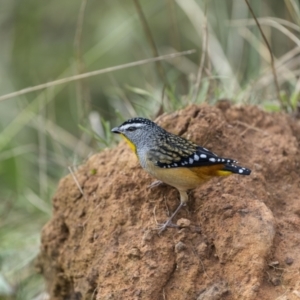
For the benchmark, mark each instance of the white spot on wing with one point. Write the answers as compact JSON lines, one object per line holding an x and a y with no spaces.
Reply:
{"x":196,"y":157}
{"x":212,"y":159}
{"x":241,"y":171}
{"x":203,"y":156}
{"x":191,"y":160}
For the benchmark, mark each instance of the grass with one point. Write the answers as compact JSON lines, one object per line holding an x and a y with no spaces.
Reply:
{"x":46,"y":130}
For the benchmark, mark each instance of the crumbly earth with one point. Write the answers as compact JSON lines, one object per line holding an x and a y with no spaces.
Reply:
{"x":239,"y":236}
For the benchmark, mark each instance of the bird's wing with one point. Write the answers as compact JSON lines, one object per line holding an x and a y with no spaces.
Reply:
{"x":200,"y":157}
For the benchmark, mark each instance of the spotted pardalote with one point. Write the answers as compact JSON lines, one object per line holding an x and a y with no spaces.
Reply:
{"x":173,"y":159}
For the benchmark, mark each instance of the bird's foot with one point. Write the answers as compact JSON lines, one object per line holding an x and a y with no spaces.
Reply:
{"x":169,"y":223}
{"x":163,"y":227}
{"x":155,"y":184}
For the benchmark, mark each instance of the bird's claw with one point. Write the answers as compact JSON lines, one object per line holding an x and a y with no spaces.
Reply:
{"x":155,"y":184}
{"x":163,"y":227}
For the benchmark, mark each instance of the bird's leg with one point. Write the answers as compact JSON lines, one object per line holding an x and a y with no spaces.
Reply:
{"x":155,"y":184}
{"x":183,"y":200}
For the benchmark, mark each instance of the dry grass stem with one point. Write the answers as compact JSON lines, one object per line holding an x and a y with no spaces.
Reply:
{"x":283,"y":106}
{"x":76,"y":182}
{"x":151,"y":41}
{"x":203,"y":55}
{"x":94,"y":73}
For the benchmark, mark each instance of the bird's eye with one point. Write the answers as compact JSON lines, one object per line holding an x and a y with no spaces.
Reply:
{"x":131,"y":128}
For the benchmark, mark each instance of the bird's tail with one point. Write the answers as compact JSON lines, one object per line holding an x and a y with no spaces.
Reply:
{"x":236,"y":169}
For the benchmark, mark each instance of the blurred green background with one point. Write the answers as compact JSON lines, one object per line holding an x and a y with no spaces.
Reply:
{"x":44,"y":132}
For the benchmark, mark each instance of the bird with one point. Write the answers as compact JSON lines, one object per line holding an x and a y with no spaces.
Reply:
{"x":174,"y":160}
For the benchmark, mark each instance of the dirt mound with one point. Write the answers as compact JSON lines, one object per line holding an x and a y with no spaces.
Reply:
{"x":241,"y":239}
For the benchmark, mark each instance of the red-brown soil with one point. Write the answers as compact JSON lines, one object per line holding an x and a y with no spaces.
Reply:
{"x":243,"y":241}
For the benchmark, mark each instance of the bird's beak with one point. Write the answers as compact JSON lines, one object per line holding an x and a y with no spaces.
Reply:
{"x":116,"y":130}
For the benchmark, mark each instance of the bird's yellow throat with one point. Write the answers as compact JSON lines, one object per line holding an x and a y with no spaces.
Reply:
{"x":129,"y":142}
